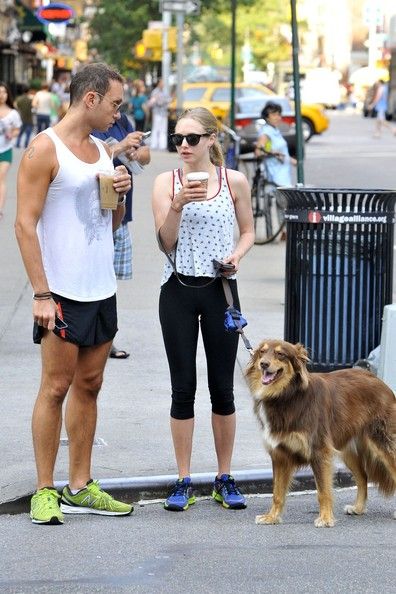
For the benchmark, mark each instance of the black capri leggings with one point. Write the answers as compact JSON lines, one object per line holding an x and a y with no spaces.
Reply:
{"x":182,"y":310}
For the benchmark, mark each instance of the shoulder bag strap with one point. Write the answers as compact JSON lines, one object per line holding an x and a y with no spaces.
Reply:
{"x":173,"y":264}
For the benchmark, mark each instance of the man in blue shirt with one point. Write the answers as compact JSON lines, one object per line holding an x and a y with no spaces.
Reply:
{"x":128,"y":144}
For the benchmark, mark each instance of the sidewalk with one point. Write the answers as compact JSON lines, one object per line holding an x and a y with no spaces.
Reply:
{"x":133,"y":454}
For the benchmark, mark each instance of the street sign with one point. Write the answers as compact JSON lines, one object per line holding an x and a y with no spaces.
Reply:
{"x":192,"y":7}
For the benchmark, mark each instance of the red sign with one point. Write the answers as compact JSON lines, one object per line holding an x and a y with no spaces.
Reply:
{"x":55,"y":13}
{"x":314,"y":216}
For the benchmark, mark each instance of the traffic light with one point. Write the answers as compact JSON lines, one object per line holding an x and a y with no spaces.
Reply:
{"x":140,"y":49}
{"x":150,"y":46}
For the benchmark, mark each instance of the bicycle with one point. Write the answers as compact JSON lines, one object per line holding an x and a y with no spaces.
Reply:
{"x":230,"y":144}
{"x":268,"y":205}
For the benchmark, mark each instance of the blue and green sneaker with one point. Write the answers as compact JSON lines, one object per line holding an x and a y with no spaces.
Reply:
{"x":93,"y":500}
{"x":227,"y":493}
{"x":44,"y":507}
{"x":181,"y":496}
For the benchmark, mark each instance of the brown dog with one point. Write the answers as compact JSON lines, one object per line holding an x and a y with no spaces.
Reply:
{"x":306,"y":417}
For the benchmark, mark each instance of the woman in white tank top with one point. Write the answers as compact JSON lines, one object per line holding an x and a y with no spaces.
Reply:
{"x":195,"y":224}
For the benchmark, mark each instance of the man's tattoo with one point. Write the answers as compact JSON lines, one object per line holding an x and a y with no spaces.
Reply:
{"x":30,"y":152}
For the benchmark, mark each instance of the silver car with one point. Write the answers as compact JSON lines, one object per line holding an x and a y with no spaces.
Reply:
{"x":248,"y":121}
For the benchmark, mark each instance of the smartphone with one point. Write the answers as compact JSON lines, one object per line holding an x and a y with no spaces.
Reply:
{"x":146,"y":134}
{"x":60,"y":324}
{"x":222,"y":266}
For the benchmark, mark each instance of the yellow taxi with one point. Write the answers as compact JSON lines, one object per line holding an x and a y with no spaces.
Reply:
{"x":216,"y":97}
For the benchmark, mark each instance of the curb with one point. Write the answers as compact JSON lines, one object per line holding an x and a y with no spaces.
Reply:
{"x":145,"y":488}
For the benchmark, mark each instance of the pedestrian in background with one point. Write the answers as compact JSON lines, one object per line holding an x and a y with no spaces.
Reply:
{"x":273,"y":146}
{"x":44,"y":105}
{"x":23,"y":104}
{"x":129,"y":145}
{"x":10,"y":124}
{"x":66,"y":242}
{"x":56,"y":107}
{"x":158,"y":103}
{"x":138,"y":104}
{"x":195,"y":224}
{"x":380,"y":104}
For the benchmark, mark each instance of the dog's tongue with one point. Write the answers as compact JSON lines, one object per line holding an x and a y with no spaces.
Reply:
{"x":268,"y":377}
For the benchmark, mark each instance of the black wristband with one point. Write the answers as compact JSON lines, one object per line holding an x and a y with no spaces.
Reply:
{"x":42,"y":296}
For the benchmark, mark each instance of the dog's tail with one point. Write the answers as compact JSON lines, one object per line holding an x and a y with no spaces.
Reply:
{"x":380,"y":466}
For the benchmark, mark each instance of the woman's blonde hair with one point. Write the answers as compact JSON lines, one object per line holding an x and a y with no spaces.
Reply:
{"x":209,"y":123}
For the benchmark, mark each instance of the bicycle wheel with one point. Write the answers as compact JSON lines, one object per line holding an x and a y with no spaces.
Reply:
{"x":268,"y":211}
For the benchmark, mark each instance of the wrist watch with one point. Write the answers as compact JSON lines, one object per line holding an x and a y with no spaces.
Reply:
{"x":122,"y":201}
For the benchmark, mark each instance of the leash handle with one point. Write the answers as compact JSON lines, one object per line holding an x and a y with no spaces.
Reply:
{"x":227,"y":291}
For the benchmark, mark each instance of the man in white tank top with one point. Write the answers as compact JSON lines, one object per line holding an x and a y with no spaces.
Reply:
{"x":66,"y":244}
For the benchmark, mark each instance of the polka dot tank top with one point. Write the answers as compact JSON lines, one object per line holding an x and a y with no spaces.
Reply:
{"x":206,"y":231}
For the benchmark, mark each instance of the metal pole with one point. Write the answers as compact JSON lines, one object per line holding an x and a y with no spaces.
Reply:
{"x":166,"y":58}
{"x":179,"y":61}
{"x":297,"y":100}
{"x":233,"y":46}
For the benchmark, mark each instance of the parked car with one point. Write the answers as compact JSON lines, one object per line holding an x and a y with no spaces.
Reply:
{"x":216,"y":96}
{"x":248,"y":121}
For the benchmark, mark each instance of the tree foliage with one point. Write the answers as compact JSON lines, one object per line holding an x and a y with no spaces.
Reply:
{"x":118,"y":25}
{"x":260,"y":23}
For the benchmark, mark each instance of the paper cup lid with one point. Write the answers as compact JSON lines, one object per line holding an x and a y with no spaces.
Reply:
{"x":197,"y":176}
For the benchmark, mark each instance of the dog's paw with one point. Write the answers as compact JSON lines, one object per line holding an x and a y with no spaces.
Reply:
{"x":268,"y":519}
{"x":353,"y":510}
{"x":324,"y":522}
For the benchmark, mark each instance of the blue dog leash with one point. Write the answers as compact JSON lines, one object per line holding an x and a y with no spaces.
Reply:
{"x":238,"y":320}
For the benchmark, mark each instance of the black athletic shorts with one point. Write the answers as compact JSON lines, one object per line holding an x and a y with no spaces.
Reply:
{"x":88,"y":322}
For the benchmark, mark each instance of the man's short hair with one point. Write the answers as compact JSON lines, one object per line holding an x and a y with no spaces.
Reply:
{"x":271,"y":107}
{"x":93,"y":77}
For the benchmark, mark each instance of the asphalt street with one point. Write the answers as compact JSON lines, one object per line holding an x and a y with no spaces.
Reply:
{"x":205,"y":550}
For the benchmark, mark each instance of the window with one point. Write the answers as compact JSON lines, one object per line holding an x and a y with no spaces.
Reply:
{"x":249,"y":92}
{"x":194,"y":94}
{"x":222,"y":94}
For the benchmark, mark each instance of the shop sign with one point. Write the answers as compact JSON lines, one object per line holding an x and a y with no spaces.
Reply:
{"x":55,"y":13}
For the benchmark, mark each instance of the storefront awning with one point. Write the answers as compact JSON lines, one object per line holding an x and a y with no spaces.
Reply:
{"x":27,"y":21}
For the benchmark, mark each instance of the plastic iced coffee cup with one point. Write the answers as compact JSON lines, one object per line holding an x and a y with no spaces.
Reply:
{"x":201,"y":176}
{"x":108,"y":195}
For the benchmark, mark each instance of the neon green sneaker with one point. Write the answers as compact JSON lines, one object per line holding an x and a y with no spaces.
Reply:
{"x":93,"y":500}
{"x":44,"y":507}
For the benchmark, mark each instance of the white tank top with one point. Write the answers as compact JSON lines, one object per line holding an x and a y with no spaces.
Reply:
{"x":75,"y":235}
{"x":206,"y":231}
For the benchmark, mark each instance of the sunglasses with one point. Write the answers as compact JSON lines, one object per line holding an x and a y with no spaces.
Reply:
{"x":116,"y":104}
{"x":192,"y":139}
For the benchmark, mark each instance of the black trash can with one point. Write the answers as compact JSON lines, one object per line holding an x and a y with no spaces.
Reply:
{"x":339,"y":269}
